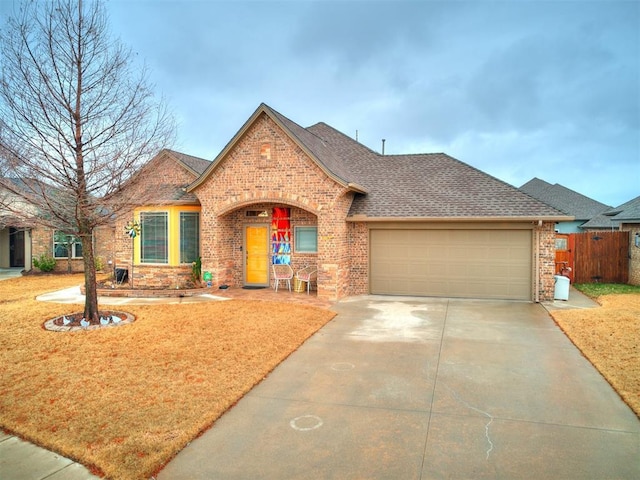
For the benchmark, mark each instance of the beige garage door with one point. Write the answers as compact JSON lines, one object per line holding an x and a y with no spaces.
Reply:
{"x":452,"y":263}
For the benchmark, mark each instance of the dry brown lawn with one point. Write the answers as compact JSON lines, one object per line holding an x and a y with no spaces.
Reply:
{"x":609,"y":337}
{"x":123,"y":401}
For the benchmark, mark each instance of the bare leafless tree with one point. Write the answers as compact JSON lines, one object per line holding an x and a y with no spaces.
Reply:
{"x":78,"y":119}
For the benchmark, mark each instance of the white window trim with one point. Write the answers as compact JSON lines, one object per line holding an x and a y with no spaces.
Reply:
{"x":73,"y":248}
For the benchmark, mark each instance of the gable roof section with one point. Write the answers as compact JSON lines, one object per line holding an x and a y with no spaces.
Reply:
{"x":171,"y":194}
{"x":428,"y":186}
{"x":536,"y":187}
{"x":195,"y":165}
{"x":332,"y":165}
{"x":564,"y":199}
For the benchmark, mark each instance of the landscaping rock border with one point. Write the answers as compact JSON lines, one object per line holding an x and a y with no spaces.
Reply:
{"x":50,"y":325}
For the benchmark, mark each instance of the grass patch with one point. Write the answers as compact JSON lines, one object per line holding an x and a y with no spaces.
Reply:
{"x":123,"y":401}
{"x":595,"y":290}
{"x":610,"y":339}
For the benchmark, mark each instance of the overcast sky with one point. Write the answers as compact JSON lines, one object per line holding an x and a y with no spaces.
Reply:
{"x":518,"y":89}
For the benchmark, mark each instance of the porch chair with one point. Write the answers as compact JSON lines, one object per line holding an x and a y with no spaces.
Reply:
{"x":282,"y":272}
{"x":307,"y":274}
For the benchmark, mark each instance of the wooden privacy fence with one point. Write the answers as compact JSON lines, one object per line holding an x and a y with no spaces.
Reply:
{"x":601,"y":257}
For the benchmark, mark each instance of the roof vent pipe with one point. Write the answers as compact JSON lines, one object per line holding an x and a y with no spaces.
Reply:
{"x":383,"y":140}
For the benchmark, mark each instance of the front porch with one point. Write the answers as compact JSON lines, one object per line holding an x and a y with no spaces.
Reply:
{"x":193,"y":295}
{"x":270,"y":295}
{"x":241,"y":248}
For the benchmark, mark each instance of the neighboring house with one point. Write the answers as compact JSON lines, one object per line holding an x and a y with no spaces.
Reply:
{"x":570,"y":202}
{"x":15,"y":243}
{"x":22,"y":238}
{"x":15,"y":231}
{"x":627,"y":218}
{"x":420,"y":224}
{"x":611,"y":218}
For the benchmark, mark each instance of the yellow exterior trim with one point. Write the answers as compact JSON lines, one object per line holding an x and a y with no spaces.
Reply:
{"x":173,"y":226}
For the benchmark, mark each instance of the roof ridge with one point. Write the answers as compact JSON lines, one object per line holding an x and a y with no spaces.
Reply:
{"x":347,"y":137}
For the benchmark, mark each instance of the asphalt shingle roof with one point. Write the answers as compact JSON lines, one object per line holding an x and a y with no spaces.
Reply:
{"x":401,"y":186}
{"x":628,"y":212}
{"x":564,"y":199}
{"x":432,"y":185}
{"x":197,"y":164}
{"x":168,"y":194}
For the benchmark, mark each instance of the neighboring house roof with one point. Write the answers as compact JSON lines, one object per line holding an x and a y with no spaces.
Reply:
{"x":420,"y":186}
{"x":536,"y":187}
{"x":628,"y":212}
{"x":601,"y":221}
{"x":564,"y":199}
{"x":20,"y":200}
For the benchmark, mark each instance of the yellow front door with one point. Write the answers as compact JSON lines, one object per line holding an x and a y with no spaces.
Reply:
{"x":256,"y":255}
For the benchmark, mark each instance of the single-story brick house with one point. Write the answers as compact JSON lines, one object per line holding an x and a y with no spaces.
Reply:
{"x":418,"y":224}
{"x":23,"y":237}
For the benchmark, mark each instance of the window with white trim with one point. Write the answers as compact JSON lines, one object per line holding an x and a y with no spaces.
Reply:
{"x":63,"y":244}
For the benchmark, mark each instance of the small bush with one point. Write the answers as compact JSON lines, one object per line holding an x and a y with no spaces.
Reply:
{"x":99,"y":263}
{"x":46,"y":263}
{"x":196,"y":271}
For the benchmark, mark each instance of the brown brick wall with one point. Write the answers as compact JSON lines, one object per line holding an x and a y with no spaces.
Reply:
{"x":41,"y":242}
{"x":359,"y":255}
{"x":546,"y":260}
{"x":634,"y":252}
{"x":266,"y":169}
{"x":103,"y":244}
{"x":287,"y":177}
{"x":160,"y":276}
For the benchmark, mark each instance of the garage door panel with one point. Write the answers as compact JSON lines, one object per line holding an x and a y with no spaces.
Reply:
{"x":453,"y":263}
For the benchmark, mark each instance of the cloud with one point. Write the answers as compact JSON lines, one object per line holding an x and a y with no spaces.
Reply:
{"x":518,"y":88}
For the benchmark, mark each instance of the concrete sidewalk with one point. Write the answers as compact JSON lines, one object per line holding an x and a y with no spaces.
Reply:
{"x":20,"y":460}
{"x":7,"y":273}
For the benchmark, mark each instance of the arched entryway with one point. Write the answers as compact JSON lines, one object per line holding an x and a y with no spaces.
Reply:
{"x":255,"y":237}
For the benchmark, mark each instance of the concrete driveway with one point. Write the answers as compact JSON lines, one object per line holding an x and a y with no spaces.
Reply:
{"x":407,"y":388}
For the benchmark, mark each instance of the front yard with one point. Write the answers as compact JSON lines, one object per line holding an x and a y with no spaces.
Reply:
{"x":124,"y":400}
{"x":609,"y":336}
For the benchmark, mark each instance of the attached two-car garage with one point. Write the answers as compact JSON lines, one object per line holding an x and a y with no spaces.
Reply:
{"x":480,"y":261}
